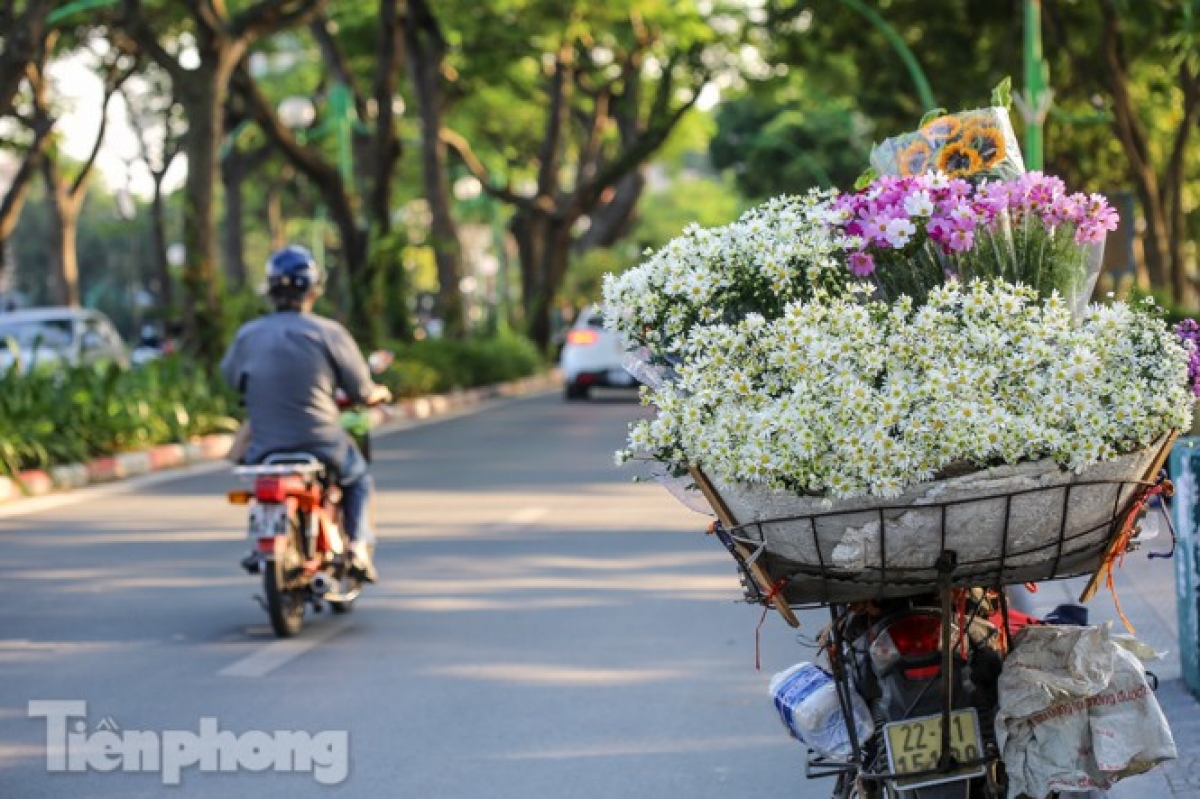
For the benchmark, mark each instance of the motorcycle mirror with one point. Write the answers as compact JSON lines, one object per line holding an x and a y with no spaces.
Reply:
{"x":380,"y":360}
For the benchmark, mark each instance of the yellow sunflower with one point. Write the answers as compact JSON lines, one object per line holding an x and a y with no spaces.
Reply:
{"x":988,"y":141}
{"x":959,"y":160}
{"x":942,"y":129}
{"x":914,"y":159}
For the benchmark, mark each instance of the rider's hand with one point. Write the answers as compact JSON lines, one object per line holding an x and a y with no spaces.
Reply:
{"x":379,"y":396}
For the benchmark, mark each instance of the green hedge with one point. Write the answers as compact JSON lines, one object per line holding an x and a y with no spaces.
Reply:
{"x":439,"y":365}
{"x":56,"y":416}
{"x":53,"y":417}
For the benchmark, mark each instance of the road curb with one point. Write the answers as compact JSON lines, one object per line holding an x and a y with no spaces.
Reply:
{"x":39,"y":482}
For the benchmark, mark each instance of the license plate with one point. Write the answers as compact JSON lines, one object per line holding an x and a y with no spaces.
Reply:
{"x":267,"y":520}
{"x":915,"y":745}
{"x":619,"y":377}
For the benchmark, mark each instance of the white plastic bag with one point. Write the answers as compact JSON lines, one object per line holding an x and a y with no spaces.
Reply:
{"x":1076,"y":713}
{"x":807,"y":701}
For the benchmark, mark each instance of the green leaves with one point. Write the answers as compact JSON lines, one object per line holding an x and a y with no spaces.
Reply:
{"x":1002,"y":94}
{"x":54,"y":417}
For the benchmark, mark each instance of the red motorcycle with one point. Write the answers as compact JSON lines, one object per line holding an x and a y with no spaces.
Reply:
{"x":301,"y":548}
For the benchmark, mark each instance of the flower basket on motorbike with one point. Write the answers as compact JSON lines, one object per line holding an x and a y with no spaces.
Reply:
{"x":1012,"y":524}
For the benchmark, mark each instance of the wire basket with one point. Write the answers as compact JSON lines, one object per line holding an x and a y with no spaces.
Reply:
{"x":1029,"y":523}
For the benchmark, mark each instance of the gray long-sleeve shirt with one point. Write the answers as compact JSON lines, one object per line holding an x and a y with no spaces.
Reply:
{"x":287,"y":365}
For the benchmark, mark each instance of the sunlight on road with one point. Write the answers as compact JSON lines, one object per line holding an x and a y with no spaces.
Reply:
{"x":546,"y":674}
{"x":640,"y":748}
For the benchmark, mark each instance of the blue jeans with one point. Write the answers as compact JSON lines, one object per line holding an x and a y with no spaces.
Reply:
{"x":357,"y":487}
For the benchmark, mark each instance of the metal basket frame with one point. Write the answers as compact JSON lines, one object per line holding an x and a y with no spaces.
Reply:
{"x":773,"y":580}
{"x":818,"y":584}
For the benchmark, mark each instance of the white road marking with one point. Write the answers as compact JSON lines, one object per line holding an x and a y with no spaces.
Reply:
{"x":275,"y":654}
{"x":527,"y":515}
{"x":517,"y":521}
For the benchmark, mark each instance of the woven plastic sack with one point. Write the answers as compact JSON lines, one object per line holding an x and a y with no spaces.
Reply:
{"x":970,"y":144}
{"x":1076,"y":713}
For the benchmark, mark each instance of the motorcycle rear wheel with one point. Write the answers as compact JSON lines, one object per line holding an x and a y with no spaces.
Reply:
{"x":285,"y":595}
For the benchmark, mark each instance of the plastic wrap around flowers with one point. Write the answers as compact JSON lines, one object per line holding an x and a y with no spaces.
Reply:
{"x":978,"y":143}
{"x":915,"y":232}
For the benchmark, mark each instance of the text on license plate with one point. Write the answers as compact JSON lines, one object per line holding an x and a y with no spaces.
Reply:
{"x":916,"y":745}
{"x":267,"y":520}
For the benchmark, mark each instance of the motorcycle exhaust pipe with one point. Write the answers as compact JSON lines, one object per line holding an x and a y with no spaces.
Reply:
{"x":321,"y":584}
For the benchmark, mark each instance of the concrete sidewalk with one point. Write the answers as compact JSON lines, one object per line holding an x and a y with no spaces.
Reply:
{"x":1146,"y":591}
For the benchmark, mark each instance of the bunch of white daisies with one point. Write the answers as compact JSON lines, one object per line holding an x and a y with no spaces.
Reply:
{"x":781,"y":251}
{"x":842,"y":396}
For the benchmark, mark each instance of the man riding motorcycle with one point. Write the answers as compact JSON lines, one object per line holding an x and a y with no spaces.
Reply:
{"x":288,"y":366}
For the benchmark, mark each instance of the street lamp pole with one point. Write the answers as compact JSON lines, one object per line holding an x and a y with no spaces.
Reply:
{"x":1036,"y":101}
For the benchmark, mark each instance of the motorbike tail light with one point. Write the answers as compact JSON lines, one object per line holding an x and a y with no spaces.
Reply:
{"x":277,"y":489}
{"x":911,"y":637}
{"x":583,"y":337}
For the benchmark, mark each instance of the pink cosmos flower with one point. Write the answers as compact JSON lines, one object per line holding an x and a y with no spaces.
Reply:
{"x":861,"y":264}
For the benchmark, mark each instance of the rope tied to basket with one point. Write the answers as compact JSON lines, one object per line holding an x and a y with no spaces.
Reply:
{"x":767,"y":600}
{"x":1116,"y":553}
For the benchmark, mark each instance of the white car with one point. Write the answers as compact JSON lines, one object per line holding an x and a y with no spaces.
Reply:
{"x":592,"y":356}
{"x":66,"y":336}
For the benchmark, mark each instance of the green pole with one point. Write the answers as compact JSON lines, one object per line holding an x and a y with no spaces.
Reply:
{"x":924,"y":92}
{"x":339,"y":99}
{"x":1035,"y":84}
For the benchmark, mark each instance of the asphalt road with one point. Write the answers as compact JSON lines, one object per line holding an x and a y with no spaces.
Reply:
{"x":543,"y":628}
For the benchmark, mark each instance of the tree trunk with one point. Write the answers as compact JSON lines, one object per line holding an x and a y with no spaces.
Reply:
{"x":203,"y":100}
{"x":64,"y":223}
{"x":68,"y":230}
{"x":158,"y":232}
{"x":236,"y":167}
{"x":425,"y":51}
{"x":544,"y":249}
{"x":276,"y":224}
{"x":612,"y":220}
{"x":233,"y":238}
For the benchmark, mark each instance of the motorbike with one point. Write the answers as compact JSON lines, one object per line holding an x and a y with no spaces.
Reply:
{"x":301,"y":548}
{"x":924,"y":668}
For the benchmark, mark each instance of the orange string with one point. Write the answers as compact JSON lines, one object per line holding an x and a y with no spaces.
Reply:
{"x":1116,"y":554}
{"x":767,"y":602}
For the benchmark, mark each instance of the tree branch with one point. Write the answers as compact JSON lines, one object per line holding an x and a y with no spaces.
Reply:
{"x":142,"y":37}
{"x":555,"y":121}
{"x":458,"y":143}
{"x":269,"y":16}
{"x":112,"y":85}
{"x":14,"y":197}
{"x":24,"y":39}
{"x":335,"y":57}
{"x":304,"y":158}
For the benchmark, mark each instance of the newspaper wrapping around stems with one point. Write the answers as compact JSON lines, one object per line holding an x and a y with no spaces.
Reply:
{"x":807,"y":701}
{"x":981,"y":526}
{"x":1076,"y":713}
